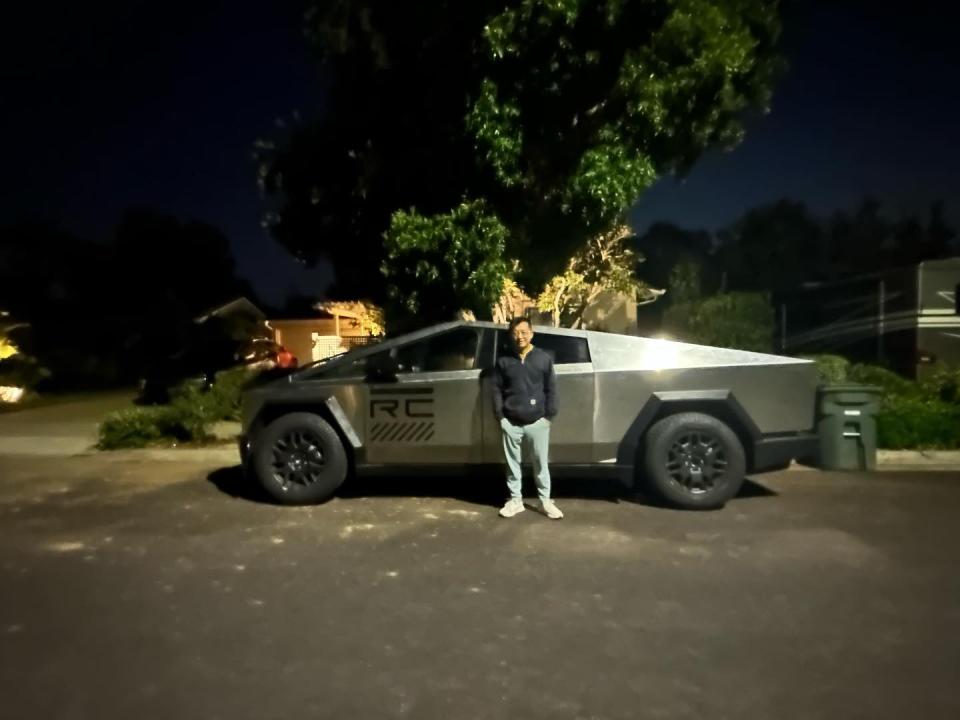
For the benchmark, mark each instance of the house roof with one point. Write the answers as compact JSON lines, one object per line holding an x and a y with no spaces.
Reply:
{"x":238,"y":305}
{"x":343,"y":308}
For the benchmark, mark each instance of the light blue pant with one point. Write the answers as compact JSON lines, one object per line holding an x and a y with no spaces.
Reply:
{"x":538,"y":435}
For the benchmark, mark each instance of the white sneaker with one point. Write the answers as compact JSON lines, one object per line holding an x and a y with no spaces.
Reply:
{"x":550,"y":510}
{"x":513,"y":507}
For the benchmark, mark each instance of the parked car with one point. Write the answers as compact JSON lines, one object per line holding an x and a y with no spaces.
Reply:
{"x":266,"y":353}
{"x":686,"y":421}
{"x":202,"y":360}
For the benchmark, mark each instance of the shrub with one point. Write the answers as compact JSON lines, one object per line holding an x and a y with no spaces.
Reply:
{"x":134,"y":428}
{"x":917,"y":423}
{"x":140,"y":427}
{"x":219,"y":401}
{"x":228,"y":391}
{"x":735,"y":320}
{"x":913,"y":415}
{"x":943,"y":383}
{"x":893,"y":385}
{"x":21,"y":371}
{"x":193,"y":409}
{"x":831,"y":369}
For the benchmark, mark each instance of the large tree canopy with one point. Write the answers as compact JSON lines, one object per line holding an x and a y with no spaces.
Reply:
{"x":555,"y":114}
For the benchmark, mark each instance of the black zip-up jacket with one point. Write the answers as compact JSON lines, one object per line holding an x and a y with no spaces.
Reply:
{"x":525,"y":390}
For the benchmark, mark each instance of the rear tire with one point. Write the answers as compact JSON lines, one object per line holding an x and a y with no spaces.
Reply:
{"x":693,"y":461}
{"x":299,"y":459}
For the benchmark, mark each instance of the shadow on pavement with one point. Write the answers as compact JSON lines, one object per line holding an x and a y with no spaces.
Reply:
{"x":488,"y":490}
{"x":483,"y":489}
{"x":477,"y":489}
{"x":231,"y":481}
{"x":752,"y":489}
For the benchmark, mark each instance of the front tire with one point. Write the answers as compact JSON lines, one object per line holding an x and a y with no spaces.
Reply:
{"x":299,"y":459}
{"x":693,"y":461}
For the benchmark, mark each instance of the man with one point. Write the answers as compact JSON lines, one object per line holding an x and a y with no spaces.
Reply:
{"x":525,"y":403}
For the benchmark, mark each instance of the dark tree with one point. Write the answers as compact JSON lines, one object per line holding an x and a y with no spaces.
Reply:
{"x":552,"y":116}
{"x":775,"y":247}
{"x":663,"y":246}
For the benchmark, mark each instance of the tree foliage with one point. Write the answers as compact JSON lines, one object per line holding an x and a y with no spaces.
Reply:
{"x":772,"y":247}
{"x":776,"y":247}
{"x":604,"y":264}
{"x":437,"y":265}
{"x":557,"y":114}
{"x":735,"y":320}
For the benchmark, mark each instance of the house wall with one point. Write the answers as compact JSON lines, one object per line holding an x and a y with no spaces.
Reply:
{"x":297,"y":335}
{"x":612,"y":312}
{"x":296,"y":338}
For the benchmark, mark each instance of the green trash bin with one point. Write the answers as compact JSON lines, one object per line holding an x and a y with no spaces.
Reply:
{"x":847,"y":426}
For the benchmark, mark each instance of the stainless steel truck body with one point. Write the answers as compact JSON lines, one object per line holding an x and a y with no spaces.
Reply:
{"x":689,"y":421}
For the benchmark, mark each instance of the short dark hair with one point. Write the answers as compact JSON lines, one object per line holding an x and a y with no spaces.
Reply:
{"x":519,"y":321}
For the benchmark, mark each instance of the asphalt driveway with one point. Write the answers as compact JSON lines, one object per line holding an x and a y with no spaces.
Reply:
{"x":158,"y":589}
{"x":61,"y":426}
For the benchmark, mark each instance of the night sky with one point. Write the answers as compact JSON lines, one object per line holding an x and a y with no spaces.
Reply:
{"x":110,"y":105}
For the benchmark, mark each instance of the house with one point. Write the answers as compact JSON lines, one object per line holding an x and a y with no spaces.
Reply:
{"x":612,"y":312}
{"x":12,"y":375}
{"x":609,"y":312}
{"x":240,"y":319}
{"x":8,"y":329}
{"x":906,"y":318}
{"x":337,"y":327}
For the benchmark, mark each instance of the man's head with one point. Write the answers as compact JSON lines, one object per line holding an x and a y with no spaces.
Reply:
{"x":521,"y":332}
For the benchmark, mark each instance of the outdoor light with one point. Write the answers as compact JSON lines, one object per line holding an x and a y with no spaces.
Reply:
{"x":7,"y":348}
{"x":10,"y":394}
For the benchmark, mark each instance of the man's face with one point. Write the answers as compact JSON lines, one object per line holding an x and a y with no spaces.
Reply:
{"x":522,"y":334}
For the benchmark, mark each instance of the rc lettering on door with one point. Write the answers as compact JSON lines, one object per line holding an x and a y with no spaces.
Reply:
{"x":401,"y":415}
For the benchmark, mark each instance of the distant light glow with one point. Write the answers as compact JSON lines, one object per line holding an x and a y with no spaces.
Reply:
{"x":7,"y":348}
{"x":9,"y":394}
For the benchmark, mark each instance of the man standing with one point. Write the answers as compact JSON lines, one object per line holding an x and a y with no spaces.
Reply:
{"x":525,"y":403}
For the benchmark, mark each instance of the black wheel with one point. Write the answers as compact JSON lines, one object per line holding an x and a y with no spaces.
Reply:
{"x":693,"y":461}
{"x":299,"y":459}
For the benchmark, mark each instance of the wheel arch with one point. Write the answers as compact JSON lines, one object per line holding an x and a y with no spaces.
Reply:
{"x":721,"y":404}
{"x":328,"y":409}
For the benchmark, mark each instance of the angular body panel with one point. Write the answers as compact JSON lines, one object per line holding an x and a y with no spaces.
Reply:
{"x":436,"y":407}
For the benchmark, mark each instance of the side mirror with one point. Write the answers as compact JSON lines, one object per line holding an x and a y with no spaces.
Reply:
{"x":382,"y":368}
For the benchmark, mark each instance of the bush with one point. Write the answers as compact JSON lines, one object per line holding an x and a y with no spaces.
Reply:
{"x":145,"y":426}
{"x":831,"y":369}
{"x":187,"y":418}
{"x":734,"y":320}
{"x":893,"y":385}
{"x":228,"y":391}
{"x":943,"y":382}
{"x":134,"y":428}
{"x":913,"y":415}
{"x":129,"y":429}
{"x":219,"y":401}
{"x":918,"y":423}
{"x":21,"y":371}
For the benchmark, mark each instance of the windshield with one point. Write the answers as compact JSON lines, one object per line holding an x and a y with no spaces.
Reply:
{"x":329,"y":358}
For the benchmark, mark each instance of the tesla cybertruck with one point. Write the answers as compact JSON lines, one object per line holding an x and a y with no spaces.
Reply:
{"x":686,"y":422}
